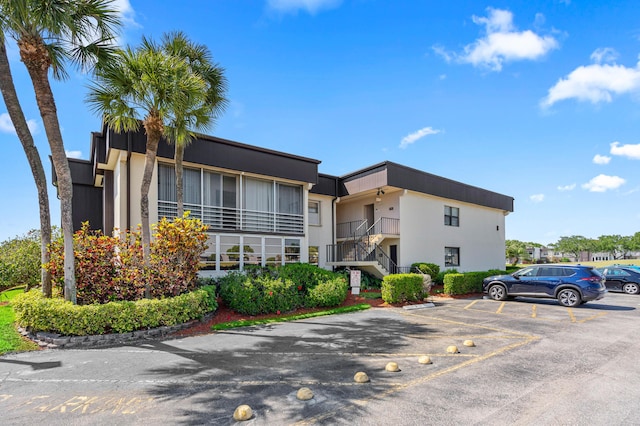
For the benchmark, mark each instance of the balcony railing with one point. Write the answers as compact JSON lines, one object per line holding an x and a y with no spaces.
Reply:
{"x":362,"y":252}
{"x":360,"y":228}
{"x":233,"y":219}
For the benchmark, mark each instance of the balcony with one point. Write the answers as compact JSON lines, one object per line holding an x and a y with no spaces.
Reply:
{"x":234,"y":219}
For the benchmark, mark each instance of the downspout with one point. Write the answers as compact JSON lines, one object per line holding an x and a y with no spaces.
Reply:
{"x":129,"y":181}
{"x":333,"y":220}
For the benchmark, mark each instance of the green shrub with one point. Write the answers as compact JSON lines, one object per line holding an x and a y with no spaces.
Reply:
{"x":20,"y":261}
{"x":38,"y":313}
{"x":439,"y":280}
{"x":328,"y":293}
{"x":282,"y":289}
{"x":427,"y":268}
{"x":454,"y":283}
{"x":402,"y":287}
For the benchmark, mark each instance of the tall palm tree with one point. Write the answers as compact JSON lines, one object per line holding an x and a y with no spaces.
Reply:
{"x":200,"y":60}
{"x":33,"y":157}
{"x":50,"y":34}
{"x":150,"y":88}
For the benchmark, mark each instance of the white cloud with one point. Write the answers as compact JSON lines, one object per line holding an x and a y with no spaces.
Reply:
{"x":537,"y":198}
{"x":627,"y":150}
{"x":595,"y":83}
{"x":6,"y":125}
{"x":604,"y":55}
{"x":311,"y":6}
{"x":503,"y":43}
{"x":127,"y":14}
{"x":602,"y":183}
{"x":411,"y":138}
{"x":567,"y":187}
{"x":74,"y":154}
{"x":601,"y":159}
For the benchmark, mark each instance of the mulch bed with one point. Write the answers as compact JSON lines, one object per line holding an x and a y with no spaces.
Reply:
{"x":225,"y":314}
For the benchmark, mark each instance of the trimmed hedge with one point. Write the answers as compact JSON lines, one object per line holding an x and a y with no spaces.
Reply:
{"x":38,"y":313}
{"x":402,"y":288}
{"x":469,"y":282}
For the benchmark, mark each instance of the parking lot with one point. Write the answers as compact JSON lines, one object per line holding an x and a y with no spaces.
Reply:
{"x":533,"y":361}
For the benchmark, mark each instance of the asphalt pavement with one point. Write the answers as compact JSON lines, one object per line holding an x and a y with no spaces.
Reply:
{"x":532,"y":362}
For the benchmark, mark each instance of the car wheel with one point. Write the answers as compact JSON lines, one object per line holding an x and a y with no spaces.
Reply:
{"x":631,"y":288}
{"x":569,"y":297}
{"x":497,"y":292}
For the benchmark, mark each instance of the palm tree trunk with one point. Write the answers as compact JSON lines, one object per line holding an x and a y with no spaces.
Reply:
{"x":179,"y":155}
{"x":153,"y":139}
{"x":33,"y":157}
{"x":48,"y":112}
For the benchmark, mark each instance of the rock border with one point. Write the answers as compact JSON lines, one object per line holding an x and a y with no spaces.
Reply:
{"x":48,"y":340}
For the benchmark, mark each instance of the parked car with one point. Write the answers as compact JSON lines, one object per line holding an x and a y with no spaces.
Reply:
{"x":621,"y":278}
{"x":570,"y":284}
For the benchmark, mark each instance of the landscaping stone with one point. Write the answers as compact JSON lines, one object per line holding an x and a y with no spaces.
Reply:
{"x":392,"y":367}
{"x":424,"y":359}
{"x":242,"y":413}
{"x":304,"y":394}
{"x":361,"y":377}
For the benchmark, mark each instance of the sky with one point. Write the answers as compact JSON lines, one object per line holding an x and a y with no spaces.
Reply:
{"x":539,"y":101}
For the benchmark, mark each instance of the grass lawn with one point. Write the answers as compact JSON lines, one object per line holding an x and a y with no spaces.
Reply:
{"x":10,"y":339}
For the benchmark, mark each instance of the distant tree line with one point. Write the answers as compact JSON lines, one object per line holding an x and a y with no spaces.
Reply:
{"x":616,"y":246}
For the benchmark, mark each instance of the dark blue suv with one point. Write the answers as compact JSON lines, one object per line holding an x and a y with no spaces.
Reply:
{"x":570,"y":284}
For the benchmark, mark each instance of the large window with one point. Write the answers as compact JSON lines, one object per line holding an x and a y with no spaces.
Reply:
{"x":233,"y":202}
{"x":451,"y":216}
{"x":291,"y":250}
{"x":314,"y":212}
{"x":452,"y":256}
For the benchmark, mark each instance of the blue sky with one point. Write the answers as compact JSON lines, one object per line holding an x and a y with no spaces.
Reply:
{"x":536,"y":100}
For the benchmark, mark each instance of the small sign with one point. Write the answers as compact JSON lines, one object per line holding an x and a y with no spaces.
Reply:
{"x":354,"y":278}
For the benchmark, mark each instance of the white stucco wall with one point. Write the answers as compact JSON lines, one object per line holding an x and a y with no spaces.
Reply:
{"x":423,"y":235}
{"x":322,"y":235}
{"x":353,"y":210}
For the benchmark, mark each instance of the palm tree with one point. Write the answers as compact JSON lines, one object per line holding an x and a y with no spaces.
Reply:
{"x":199,"y":58}
{"x":33,"y":157}
{"x":51,"y":33}
{"x":149,"y":88}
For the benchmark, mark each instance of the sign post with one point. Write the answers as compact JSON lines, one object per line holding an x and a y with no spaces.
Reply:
{"x":354,"y":278}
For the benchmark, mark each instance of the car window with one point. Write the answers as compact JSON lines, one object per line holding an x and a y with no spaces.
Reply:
{"x":621,"y":273}
{"x":567,"y":272}
{"x":527,"y":272}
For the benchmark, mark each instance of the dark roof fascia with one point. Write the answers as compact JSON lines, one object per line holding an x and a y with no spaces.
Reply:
{"x":327,"y":185}
{"x":416,"y":180}
{"x":226,"y":154}
{"x":404,"y":177}
{"x":81,"y":171}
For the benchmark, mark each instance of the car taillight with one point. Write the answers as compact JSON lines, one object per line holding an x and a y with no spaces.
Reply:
{"x":593,"y":279}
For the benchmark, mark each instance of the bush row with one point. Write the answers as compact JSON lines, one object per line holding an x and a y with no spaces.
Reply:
{"x":110,"y":268}
{"x":37,"y":313}
{"x":469,"y":282}
{"x":426,"y":268}
{"x":402,"y":288}
{"x":282,"y":289}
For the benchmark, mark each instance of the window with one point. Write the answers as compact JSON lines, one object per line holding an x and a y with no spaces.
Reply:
{"x":452,"y":256}
{"x":451,"y":216}
{"x":313,"y":255}
{"x":291,"y":250}
{"x":233,"y":202}
{"x":289,"y":199}
{"x":314,"y":212}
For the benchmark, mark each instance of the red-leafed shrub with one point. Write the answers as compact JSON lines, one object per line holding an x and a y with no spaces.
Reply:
{"x":111,"y":268}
